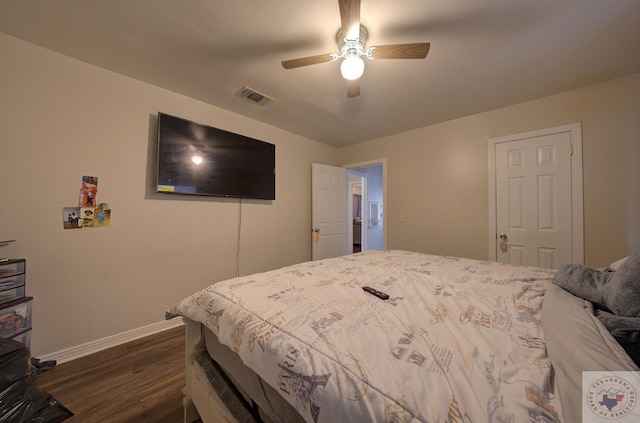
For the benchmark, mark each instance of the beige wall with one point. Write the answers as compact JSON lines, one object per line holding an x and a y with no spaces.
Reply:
{"x":61,"y":119}
{"x":438,"y":175}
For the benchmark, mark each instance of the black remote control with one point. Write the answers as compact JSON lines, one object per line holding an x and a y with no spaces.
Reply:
{"x":375,"y":292}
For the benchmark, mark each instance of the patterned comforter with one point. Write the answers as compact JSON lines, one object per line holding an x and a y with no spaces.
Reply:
{"x":458,"y":340}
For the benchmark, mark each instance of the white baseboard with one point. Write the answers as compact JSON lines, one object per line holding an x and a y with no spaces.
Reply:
{"x":73,"y":353}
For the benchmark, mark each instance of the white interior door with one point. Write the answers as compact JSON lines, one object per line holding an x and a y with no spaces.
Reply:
{"x":328,"y":211}
{"x":535,"y":205}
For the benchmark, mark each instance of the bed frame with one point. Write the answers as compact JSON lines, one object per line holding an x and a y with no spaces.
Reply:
{"x":200,"y":401}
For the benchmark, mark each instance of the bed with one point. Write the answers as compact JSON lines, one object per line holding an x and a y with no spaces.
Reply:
{"x":457,"y":340}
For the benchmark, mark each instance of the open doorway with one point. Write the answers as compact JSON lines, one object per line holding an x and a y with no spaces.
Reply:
{"x":357,"y":189}
{"x":365,"y":210}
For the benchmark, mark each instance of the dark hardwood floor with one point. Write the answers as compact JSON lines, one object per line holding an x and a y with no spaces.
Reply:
{"x":140,"y":381}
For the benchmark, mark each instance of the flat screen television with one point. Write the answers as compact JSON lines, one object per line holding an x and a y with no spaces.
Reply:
{"x":201,"y":160}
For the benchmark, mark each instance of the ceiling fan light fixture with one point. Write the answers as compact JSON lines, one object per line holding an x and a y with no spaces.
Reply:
{"x":352,"y":49}
{"x":352,"y":67}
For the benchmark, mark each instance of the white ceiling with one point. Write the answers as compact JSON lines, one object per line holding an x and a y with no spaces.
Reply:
{"x":485,"y":54}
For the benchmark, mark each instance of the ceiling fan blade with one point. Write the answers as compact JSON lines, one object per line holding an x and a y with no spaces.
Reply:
{"x":353,"y":88}
{"x":306,"y":61}
{"x":401,"y":51}
{"x":350,"y":17}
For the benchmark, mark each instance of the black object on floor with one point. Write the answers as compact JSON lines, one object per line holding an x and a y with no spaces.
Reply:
{"x":20,"y":399}
{"x":38,"y":366}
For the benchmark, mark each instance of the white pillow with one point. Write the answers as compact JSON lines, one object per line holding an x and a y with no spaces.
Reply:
{"x":616,"y":264}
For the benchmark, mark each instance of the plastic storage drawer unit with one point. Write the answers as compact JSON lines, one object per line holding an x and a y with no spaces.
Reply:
{"x":12,"y":267}
{"x":24,"y":337}
{"x":15,"y":317}
{"x":12,"y":280}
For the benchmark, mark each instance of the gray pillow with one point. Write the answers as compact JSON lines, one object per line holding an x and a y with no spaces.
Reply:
{"x":618,"y":292}
{"x":626,"y":330}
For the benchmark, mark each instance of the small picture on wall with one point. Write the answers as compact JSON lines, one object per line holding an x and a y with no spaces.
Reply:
{"x":88,"y":197}
{"x":87,"y":215}
{"x":89,"y":191}
{"x":70,"y":217}
{"x":89,"y":181}
{"x":102,"y":218}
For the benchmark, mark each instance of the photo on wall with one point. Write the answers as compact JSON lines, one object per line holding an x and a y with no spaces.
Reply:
{"x":89,"y":191}
{"x":102,"y":217}
{"x":88,"y":197}
{"x":70,"y":217}
{"x":86,"y":217}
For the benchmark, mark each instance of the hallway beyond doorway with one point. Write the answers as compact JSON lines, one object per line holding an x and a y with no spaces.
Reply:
{"x":366,"y":206}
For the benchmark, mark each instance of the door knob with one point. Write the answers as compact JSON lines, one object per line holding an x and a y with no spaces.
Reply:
{"x":316,"y":230}
{"x":504,"y":237}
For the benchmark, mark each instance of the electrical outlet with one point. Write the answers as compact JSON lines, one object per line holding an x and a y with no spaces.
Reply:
{"x":403,"y":217}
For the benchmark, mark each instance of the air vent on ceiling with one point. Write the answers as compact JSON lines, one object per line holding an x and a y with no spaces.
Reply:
{"x":254,"y":96}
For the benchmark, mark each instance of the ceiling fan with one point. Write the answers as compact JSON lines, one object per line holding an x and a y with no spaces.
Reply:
{"x":352,"y":41}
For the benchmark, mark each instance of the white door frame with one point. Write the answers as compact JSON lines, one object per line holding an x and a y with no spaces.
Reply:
{"x":577,"y":202}
{"x":383,"y":163}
